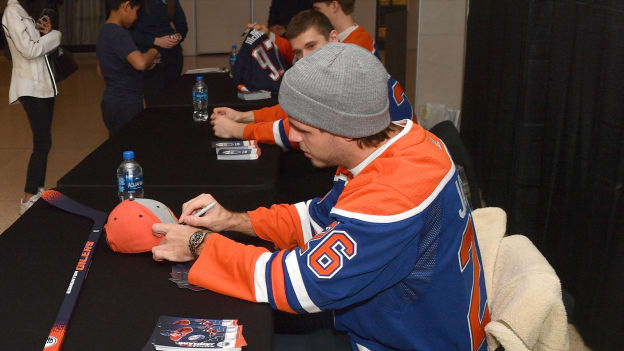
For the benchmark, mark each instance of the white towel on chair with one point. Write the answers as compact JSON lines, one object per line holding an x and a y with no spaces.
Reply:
{"x":524,"y":292}
{"x":490,"y":224}
{"x":527,"y":311}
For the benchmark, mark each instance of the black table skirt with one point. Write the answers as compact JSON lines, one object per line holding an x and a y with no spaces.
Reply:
{"x":221,"y":92}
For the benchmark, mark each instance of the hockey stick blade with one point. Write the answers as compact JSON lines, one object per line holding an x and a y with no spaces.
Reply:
{"x":57,"y":199}
{"x":59,"y":328}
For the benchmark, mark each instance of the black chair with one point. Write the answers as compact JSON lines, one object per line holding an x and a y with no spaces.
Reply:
{"x":450,"y":136}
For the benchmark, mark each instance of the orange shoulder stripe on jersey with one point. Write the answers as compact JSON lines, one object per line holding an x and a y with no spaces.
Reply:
{"x":387,"y":187}
{"x":361,"y":38}
{"x":278,"y":285}
{"x":227,"y":267}
{"x":280,"y":224}
{"x":284,"y":47}
{"x":269,"y":114}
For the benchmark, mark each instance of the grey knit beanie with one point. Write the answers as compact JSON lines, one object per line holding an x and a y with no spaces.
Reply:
{"x":339,"y":88}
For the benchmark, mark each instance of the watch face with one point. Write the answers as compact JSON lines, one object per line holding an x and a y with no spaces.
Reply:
{"x":195,"y":240}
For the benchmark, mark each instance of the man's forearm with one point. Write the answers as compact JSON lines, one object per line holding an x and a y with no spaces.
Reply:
{"x":151,"y":54}
{"x":237,"y":222}
{"x":241,"y":222}
{"x":246,"y":117}
{"x":238,"y":130}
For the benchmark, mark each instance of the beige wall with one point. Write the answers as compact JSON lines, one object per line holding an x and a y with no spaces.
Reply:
{"x":214,"y":25}
{"x":365,"y":15}
{"x":188,"y":45}
{"x":412,"y":49}
{"x":437,"y":28}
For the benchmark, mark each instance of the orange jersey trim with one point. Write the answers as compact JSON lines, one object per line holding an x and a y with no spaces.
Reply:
{"x":280,"y":224}
{"x":260,"y":131}
{"x":227,"y":267}
{"x":278,"y":285}
{"x":268,"y":133}
{"x":284,"y":47}
{"x":269,"y":114}
{"x":391,"y":169}
{"x":361,"y":38}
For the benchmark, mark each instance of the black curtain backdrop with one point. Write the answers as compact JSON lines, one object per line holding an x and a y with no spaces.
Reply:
{"x":543,"y":117}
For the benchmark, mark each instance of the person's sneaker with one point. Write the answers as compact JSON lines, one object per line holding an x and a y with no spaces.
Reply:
{"x":25,"y":205}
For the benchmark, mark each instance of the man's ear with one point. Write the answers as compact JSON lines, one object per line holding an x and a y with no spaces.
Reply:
{"x":333,"y":36}
{"x":125,"y":6}
{"x":335,"y":6}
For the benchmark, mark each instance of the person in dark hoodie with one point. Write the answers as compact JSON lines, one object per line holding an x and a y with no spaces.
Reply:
{"x":153,"y":29}
{"x":121,"y":64}
{"x":281,"y":11}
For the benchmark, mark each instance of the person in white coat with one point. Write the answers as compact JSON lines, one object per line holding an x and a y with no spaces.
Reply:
{"x":32,"y":85}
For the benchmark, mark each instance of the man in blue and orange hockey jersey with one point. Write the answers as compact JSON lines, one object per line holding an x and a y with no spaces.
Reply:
{"x":340,"y":14}
{"x":308,"y":30}
{"x":391,"y":248}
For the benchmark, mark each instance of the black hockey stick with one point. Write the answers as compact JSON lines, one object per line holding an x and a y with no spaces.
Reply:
{"x":55,"y":198}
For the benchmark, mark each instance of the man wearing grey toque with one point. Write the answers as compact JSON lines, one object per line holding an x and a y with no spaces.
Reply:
{"x":390,"y":249}
{"x":308,"y":31}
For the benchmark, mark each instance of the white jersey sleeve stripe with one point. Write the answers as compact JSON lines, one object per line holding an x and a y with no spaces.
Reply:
{"x":292,"y":265}
{"x":304,"y":218}
{"x":399,"y":216}
{"x":315,"y":226}
{"x":260,"y":287}
{"x":277,"y":137}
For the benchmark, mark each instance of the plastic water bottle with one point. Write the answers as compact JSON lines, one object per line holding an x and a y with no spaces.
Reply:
{"x":232,"y":59}
{"x":129,"y":178}
{"x":200,"y":100}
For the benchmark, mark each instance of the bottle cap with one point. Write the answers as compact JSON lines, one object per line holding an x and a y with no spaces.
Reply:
{"x":200,"y":78}
{"x":233,"y":46}
{"x":128,"y":155}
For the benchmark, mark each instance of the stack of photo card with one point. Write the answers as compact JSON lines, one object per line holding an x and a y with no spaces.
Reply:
{"x":254,"y":95}
{"x":206,"y":70}
{"x":237,"y":150}
{"x":179,"y":275}
{"x":245,"y":93}
{"x":182,"y":333}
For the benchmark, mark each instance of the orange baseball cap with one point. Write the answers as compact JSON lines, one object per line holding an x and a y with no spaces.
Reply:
{"x":129,"y":225}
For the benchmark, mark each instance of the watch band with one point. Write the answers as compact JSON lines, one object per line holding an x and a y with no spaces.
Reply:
{"x":195,"y":240}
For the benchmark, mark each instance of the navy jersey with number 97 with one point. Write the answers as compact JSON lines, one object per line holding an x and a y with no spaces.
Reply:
{"x":259,"y":65}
